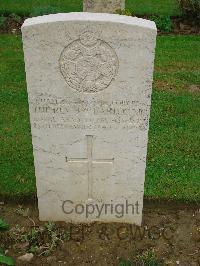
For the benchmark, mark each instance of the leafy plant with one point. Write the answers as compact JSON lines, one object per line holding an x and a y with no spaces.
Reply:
{"x":3,"y":225}
{"x":125,"y":12}
{"x":41,"y":240}
{"x":22,"y":212}
{"x":32,"y":236}
{"x":3,"y":258}
{"x":190,"y":10}
{"x":149,"y":259}
{"x":125,"y":263}
{"x":40,"y":11}
{"x":2,"y":21}
{"x":16,"y":18}
{"x":163,"y":23}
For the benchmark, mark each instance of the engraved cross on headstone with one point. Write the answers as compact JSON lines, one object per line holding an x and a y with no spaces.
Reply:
{"x":90,"y":161}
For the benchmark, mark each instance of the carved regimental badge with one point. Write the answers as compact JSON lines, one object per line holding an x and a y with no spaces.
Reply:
{"x":88,"y":64}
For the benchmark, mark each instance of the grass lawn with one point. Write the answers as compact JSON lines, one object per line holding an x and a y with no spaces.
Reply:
{"x":173,"y":154}
{"x":157,"y":7}
{"x":25,"y":7}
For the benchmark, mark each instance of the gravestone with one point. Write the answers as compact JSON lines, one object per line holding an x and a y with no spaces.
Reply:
{"x":103,"y":6}
{"x":89,"y":79}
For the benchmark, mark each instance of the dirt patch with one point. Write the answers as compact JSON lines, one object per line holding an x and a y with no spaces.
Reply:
{"x":163,"y":85}
{"x":11,"y":26}
{"x":172,"y":232}
{"x":182,"y":26}
{"x":194,"y":88}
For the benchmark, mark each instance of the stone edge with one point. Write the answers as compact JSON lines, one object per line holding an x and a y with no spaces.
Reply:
{"x":86,"y":16}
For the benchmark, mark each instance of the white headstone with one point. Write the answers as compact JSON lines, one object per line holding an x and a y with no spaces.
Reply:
{"x":89,"y":79}
{"x":103,"y":6}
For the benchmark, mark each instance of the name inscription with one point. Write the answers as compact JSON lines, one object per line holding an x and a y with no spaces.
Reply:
{"x":50,"y":112}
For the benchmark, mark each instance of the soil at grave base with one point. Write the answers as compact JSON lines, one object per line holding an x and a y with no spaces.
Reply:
{"x":180,"y":26}
{"x":173,"y":232}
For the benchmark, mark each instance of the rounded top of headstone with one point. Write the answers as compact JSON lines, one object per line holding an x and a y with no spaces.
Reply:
{"x":84,"y":16}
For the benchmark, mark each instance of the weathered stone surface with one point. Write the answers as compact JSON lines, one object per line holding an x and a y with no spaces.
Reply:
{"x":103,"y":6}
{"x":89,"y":80}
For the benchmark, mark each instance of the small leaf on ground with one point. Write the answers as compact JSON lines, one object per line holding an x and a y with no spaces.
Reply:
{"x":6,"y":260}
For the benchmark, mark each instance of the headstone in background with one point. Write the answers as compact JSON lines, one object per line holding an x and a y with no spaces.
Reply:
{"x":89,"y":79}
{"x":103,"y":6}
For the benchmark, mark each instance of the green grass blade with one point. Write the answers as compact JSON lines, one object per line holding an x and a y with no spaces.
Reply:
{"x":3,"y":225}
